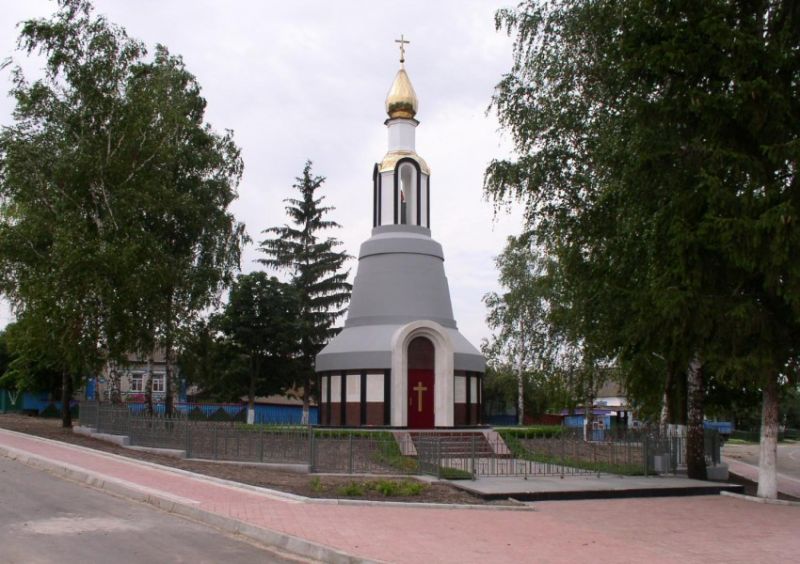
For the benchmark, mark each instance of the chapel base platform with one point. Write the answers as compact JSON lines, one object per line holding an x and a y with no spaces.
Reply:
{"x":555,"y":488}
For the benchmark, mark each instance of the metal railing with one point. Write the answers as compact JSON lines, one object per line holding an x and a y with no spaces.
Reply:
{"x":361,"y":452}
{"x":509,"y":452}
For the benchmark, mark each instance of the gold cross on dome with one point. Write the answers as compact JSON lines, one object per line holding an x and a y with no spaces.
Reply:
{"x":403,"y":42}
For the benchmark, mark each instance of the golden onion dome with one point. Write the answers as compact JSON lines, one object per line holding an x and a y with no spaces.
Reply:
{"x":401,"y":102}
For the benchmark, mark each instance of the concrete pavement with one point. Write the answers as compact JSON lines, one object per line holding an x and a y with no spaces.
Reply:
{"x":697,"y":529}
{"x":608,"y":486}
{"x":48,"y":520}
{"x":742,"y":460}
{"x":788,"y":485}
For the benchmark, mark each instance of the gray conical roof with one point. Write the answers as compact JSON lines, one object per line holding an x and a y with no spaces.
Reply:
{"x":400,"y":280}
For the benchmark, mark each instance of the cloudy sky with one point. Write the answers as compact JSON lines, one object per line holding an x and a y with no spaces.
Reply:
{"x":307,"y":80}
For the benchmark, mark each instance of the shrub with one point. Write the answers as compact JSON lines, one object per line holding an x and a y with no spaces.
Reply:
{"x":219,"y":415}
{"x":50,"y":411}
{"x":353,"y":489}
{"x":388,"y":453}
{"x":534,"y":432}
{"x":394,"y":488}
{"x":448,"y":473}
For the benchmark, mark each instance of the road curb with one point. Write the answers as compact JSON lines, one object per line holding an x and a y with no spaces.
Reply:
{"x":281,"y":541}
{"x":753,"y":499}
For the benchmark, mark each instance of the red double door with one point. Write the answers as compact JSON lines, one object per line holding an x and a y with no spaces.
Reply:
{"x":420,"y":399}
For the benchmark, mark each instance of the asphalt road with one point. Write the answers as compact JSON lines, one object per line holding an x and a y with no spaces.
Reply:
{"x":788,"y":456}
{"x":44,"y":519}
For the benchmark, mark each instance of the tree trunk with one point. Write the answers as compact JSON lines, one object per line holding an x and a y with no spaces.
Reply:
{"x":168,"y":374}
{"x":588,"y":403}
{"x":521,"y":358}
{"x":116,"y":386}
{"x":520,"y":394}
{"x":666,"y":411}
{"x":148,"y":388}
{"x":66,"y":396}
{"x":679,"y":398}
{"x":306,"y":393}
{"x":695,"y":435}
{"x":251,"y":392}
{"x":767,"y":467}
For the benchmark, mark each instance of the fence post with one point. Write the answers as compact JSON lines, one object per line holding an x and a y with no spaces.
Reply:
{"x":472,"y":457}
{"x":350,"y":453}
{"x":214,"y":444}
{"x":97,"y":417}
{"x":644,"y":451}
{"x":188,"y":439}
{"x":438,"y":456}
{"x":311,"y":449}
{"x":261,"y":444}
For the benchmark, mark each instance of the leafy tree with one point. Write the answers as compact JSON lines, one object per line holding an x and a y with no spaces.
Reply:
{"x":316,"y":271}
{"x":5,"y":356}
{"x":544,"y":392}
{"x":657,"y":144}
{"x":535,"y":329}
{"x":525,"y":338}
{"x":194,"y":238}
{"x":212,"y":363}
{"x":113,"y":226}
{"x":261,"y":321}
{"x":24,"y":366}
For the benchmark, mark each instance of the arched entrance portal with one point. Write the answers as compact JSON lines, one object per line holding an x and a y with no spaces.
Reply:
{"x":421,"y":357}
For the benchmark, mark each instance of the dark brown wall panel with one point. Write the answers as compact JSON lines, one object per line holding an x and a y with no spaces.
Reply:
{"x":475,"y":413}
{"x":353,"y":414}
{"x":375,"y":413}
{"x":460,"y":414}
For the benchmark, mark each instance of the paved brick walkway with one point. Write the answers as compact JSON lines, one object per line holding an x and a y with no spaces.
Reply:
{"x":695,"y":529}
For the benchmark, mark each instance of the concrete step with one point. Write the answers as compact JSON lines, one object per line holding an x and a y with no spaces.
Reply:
{"x":455,"y":444}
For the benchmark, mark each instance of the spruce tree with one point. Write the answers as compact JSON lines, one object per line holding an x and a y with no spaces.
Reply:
{"x":316,"y":269}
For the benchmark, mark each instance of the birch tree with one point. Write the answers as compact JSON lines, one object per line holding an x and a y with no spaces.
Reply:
{"x":657,"y":149}
{"x":113,"y":194}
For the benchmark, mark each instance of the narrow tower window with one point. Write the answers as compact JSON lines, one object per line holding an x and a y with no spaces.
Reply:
{"x":407,"y":194}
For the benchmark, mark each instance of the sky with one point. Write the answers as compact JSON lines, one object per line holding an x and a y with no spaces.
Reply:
{"x":307,"y":79}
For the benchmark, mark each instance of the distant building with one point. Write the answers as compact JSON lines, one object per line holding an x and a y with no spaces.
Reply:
{"x":129,"y":379}
{"x":611,"y":409}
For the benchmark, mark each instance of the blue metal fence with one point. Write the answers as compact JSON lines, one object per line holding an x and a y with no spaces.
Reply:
{"x":285,"y":414}
{"x":282,"y":414}
{"x":37,"y":403}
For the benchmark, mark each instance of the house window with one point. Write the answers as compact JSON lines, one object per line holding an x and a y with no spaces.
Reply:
{"x":136,"y":383}
{"x":158,"y":383}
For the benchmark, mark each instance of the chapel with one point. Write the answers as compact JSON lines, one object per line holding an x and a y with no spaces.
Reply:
{"x":400,"y":360}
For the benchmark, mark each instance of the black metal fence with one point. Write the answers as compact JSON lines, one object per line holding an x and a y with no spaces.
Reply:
{"x":508,"y":452}
{"x":641,"y":451}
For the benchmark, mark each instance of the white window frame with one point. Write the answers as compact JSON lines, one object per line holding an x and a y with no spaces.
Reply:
{"x":137,"y":382}
{"x":158,"y":384}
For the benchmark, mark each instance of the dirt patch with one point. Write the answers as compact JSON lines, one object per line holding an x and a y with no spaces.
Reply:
{"x":310,"y":485}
